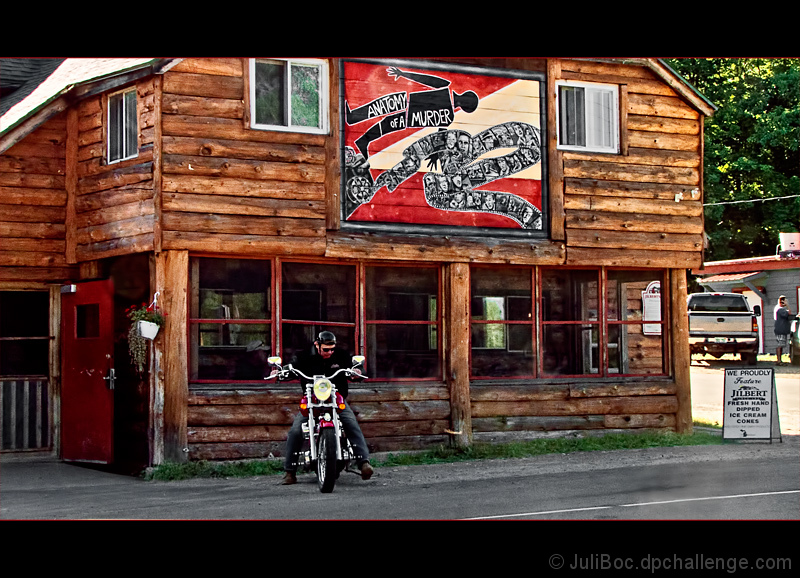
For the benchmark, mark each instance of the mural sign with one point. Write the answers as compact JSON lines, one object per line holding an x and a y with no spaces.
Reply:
{"x":442,"y":146}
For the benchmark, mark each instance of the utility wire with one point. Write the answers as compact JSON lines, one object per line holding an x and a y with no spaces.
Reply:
{"x":751,"y":200}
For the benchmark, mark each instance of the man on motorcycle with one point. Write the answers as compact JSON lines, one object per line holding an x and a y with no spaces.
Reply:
{"x":324,"y":359}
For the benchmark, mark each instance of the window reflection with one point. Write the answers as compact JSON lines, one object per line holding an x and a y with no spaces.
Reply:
{"x":634,"y":313}
{"x":315,"y":298}
{"x":502,"y":322}
{"x":402,"y":308}
{"x":231,"y":332}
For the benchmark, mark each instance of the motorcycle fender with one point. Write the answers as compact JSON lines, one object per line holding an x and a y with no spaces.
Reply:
{"x":325,"y":424}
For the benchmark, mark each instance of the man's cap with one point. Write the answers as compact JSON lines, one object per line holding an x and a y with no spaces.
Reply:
{"x":326,"y":337}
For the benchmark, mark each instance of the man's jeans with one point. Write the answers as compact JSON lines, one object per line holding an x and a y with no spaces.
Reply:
{"x":294,"y":442}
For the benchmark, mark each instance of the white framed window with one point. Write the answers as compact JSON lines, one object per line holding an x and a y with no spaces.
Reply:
{"x":289,"y":95}
{"x":123,"y":127}
{"x":587,"y":116}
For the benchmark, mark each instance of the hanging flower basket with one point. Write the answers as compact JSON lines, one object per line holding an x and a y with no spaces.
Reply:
{"x":146,"y":320}
{"x":148,"y":329}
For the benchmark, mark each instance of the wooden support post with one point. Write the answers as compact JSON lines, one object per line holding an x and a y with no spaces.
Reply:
{"x":555,"y":169}
{"x":71,"y":184}
{"x":171,"y":386}
{"x":681,"y":356}
{"x":458,"y":329}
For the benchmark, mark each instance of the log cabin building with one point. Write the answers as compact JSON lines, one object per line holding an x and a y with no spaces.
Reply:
{"x":506,"y":240}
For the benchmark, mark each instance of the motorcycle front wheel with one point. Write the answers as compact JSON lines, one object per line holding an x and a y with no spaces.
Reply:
{"x":326,"y":460}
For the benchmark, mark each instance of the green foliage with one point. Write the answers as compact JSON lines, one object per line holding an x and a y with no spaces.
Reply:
{"x":751,"y":151}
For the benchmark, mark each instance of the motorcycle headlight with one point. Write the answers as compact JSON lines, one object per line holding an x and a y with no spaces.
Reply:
{"x":322,"y":389}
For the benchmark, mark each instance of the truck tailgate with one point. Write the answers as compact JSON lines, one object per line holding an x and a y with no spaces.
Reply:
{"x":720,"y":324}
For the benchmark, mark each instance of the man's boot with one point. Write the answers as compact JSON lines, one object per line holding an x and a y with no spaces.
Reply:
{"x":366,"y":470}
{"x":289,"y":478}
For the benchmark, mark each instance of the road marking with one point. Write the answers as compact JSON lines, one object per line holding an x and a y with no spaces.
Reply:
{"x":539,"y":513}
{"x":730,"y":497}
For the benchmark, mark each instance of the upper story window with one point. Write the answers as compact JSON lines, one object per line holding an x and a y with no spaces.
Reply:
{"x":588,"y":117}
{"x":289,"y":95}
{"x":123,"y":130}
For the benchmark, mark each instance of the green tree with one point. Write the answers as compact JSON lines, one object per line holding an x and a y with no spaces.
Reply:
{"x":751,"y":151}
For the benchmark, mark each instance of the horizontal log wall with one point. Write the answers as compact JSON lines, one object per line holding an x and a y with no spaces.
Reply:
{"x":242,"y":424}
{"x":644,"y":206}
{"x":113,"y":210}
{"x":33,"y":202}
{"x":228,"y":189}
{"x":507,"y":412}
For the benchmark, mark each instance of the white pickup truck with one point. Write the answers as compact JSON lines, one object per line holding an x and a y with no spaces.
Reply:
{"x":721,"y":323}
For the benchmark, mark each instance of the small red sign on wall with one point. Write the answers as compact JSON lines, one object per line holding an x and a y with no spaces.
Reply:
{"x":441,"y":146}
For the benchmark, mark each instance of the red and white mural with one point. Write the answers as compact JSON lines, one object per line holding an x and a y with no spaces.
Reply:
{"x":433,"y":146}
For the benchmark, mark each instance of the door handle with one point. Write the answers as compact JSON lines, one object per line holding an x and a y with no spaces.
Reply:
{"x":110,"y":378}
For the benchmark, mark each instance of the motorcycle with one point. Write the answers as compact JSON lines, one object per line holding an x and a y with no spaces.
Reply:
{"x":326,"y":447}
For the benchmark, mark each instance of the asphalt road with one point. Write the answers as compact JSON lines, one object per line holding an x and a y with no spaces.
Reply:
{"x":736,"y":481}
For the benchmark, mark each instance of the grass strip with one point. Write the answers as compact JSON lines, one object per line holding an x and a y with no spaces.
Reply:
{"x":447,"y":454}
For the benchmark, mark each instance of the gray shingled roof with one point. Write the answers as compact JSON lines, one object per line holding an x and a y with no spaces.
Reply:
{"x":20,"y":76}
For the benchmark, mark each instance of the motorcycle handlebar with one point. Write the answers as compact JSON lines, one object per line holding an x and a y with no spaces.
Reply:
{"x":284,"y":372}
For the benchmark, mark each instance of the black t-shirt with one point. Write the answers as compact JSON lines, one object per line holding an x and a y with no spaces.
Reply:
{"x":312,"y":363}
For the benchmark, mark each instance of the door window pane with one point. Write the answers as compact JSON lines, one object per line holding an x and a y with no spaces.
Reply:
{"x":87,"y":321}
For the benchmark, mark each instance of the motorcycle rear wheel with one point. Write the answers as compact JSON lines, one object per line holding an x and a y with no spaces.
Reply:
{"x":326,"y":460}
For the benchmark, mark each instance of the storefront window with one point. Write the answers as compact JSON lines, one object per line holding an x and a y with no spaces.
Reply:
{"x":570,"y":322}
{"x":635,"y":326}
{"x":315,"y":298}
{"x":230,"y":319}
{"x":402,"y":322}
{"x":525,"y":322}
{"x":502,"y":322}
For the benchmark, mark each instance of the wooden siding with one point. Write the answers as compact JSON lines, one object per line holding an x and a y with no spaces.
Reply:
{"x":112,"y":207}
{"x":240,"y":424}
{"x":644,"y":206}
{"x":205,"y":183}
{"x":228,"y":189}
{"x":231,"y":190}
{"x":33,"y":207}
{"x":505,"y":412}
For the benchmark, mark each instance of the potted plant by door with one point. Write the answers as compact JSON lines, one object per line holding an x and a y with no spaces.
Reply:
{"x":146,"y":320}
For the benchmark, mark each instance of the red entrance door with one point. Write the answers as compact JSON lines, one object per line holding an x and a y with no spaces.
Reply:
{"x":87,"y":375}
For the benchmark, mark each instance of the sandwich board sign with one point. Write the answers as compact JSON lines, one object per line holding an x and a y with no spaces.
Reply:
{"x":750,"y":407}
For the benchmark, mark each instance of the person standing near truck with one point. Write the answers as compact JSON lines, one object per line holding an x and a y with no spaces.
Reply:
{"x":783,"y":326}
